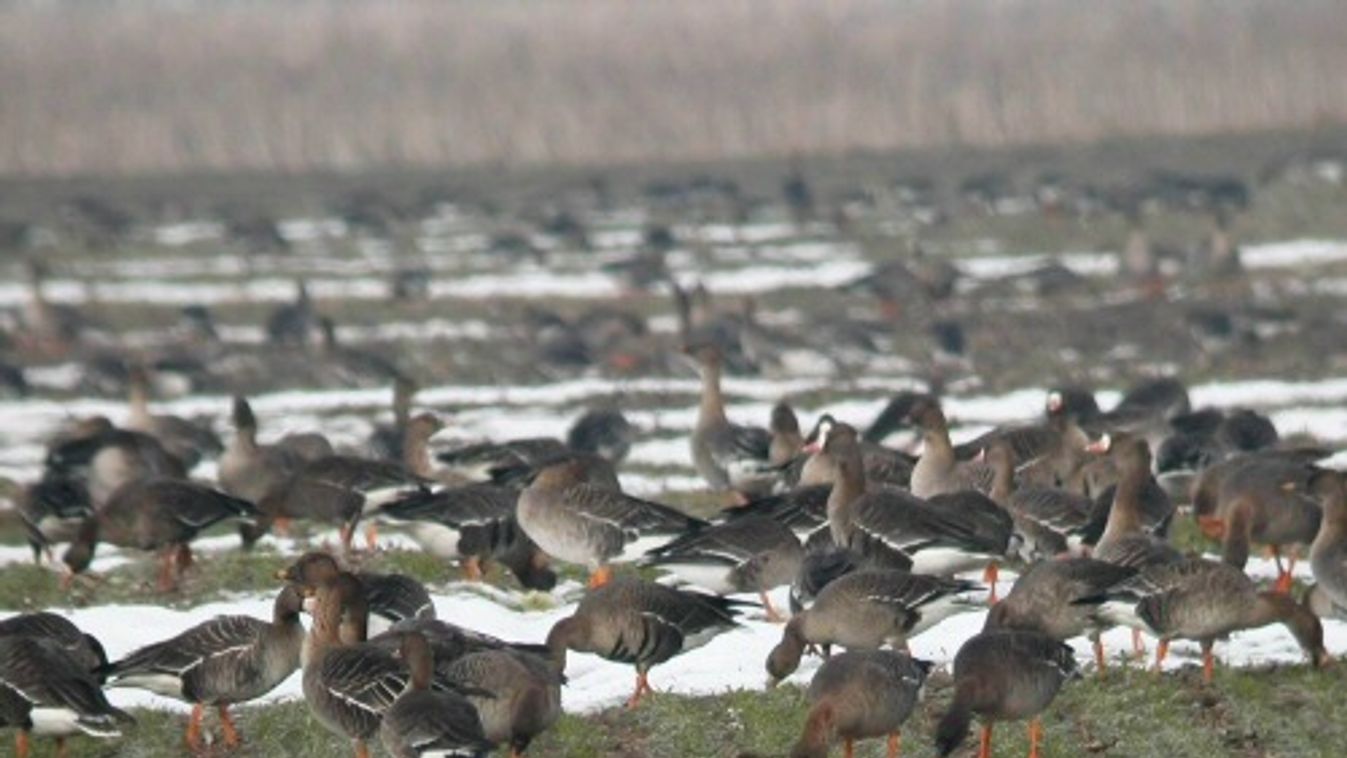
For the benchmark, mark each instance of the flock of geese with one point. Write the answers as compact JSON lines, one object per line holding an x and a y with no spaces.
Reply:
{"x":870,"y":540}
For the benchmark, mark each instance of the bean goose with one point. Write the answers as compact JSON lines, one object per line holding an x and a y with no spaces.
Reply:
{"x":221,"y":662}
{"x":1328,"y":553}
{"x":965,"y":531}
{"x":162,"y":515}
{"x":522,"y":695}
{"x":866,"y":610}
{"x":185,"y":440}
{"x":751,"y":554}
{"x":425,"y":722}
{"x":727,"y":455}
{"x":348,"y":683}
{"x":859,"y":695}
{"x":1003,"y":676}
{"x":46,"y":692}
{"x":938,"y":470}
{"x":641,"y":623}
{"x":1043,"y":600}
{"x":1204,"y":601}
{"x":581,"y":523}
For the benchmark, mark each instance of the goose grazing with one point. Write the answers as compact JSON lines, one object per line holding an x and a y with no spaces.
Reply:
{"x":860,"y":695}
{"x":45,"y":691}
{"x":162,"y":515}
{"x":1328,"y":553}
{"x":945,"y":535}
{"x":750,"y":554}
{"x":1003,"y":676}
{"x":641,"y":623}
{"x":730,"y":457}
{"x":866,"y":610}
{"x":521,"y":695}
{"x":221,"y":662}
{"x":425,"y":722}
{"x":1043,"y":600}
{"x":1266,"y":501}
{"x":185,"y":440}
{"x":581,"y":523}
{"x":1204,"y":600}
{"x":52,"y":510}
{"x":939,"y":470}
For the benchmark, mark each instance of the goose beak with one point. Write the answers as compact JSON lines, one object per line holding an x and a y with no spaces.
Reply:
{"x":1100,"y":446}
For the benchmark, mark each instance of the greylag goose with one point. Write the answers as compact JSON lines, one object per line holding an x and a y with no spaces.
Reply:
{"x":641,"y":623}
{"x":604,"y":432}
{"x":866,"y":610}
{"x":1204,"y":600}
{"x":750,"y":554}
{"x":425,"y":722}
{"x":938,"y":470}
{"x":185,"y":440}
{"x":385,"y":441}
{"x":391,"y":597}
{"x":1328,"y":553}
{"x":522,"y":695}
{"x":727,"y":455}
{"x":52,"y":510}
{"x":46,"y":691}
{"x":581,"y":523}
{"x":1003,"y":676}
{"x":221,"y":662}
{"x":1043,"y":600}
{"x":348,"y":683}
{"x":859,"y":695}
{"x":1266,"y":501}
{"x":162,"y":515}
{"x":952,"y":533}
{"x":473,"y":524}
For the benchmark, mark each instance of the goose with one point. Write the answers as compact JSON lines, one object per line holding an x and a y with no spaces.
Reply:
{"x":292,"y":324}
{"x":185,"y":440}
{"x":52,"y":510}
{"x":580,"y":523}
{"x":786,"y":439}
{"x":882,"y":465}
{"x":486,"y":461}
{"x":385,"y":441}
{"x":1266,"y":501}
{"x":751,"y":554}
{"x":106,"y":457}
{"x":44,"y":691}
{"x":352,"y":367}
{"x":1052,"y":521}
{"x":425,"y":722}
{"x":802,"y":509}
{"x":866,"y":610}
{"x":938,"y":470}
{"x":1125,"y":539}
{"x":604,"y":432}
{"x":250,"y":470}
{"x":390,"y":598}
{"x":82,"y":649}
{"x":633,"y":621}
{"x":1328,"y":553}
{"x":1003,"y":676}
{"x":162,"y":515}
{"x":858,"y":695}
{"x":523,"y":695}
{"x":1204,"y":600}
{"x":221,"y":662}
{"x":730,"y":457}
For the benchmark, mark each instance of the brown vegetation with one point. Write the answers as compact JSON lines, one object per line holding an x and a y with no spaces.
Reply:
{"x":352,"y":85}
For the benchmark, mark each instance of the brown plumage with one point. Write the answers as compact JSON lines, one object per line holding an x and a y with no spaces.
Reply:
{"x":860,"y":695}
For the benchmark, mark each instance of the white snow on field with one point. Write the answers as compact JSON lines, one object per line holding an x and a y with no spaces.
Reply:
{"x":1307,"y":252}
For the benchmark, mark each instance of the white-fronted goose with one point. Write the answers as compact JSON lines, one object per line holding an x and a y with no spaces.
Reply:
{"x":425,"y":722}
{"x":1003,"y":676}
{"x":728,"y":456}
{"x":521,"y":695}
{"x":1125,"y":539}
{"x":83,"y":649}
{"x":938,"y":470}
{"x":882,"y":465}
{"x":250,"y":470}
{"x":162,"y":515}
{"x":339,"y":489}
{"x":221,"y":662}
{"x":107,"y":457}
{"x":962,"y":531}
{"x":604,"y":432}
{"x":642,"y":623}
{"x":866,"y":610}
{"x":825,"y":561}
{"x":45,"y":691}
{"x":1266,"y":501}
{"x":581,"y":523}
{"x":1051,"y":520}
{"x":1328,"y":553}
{"x":802,"y":510}
{"x":391,"y":597}
{"x":185,"y":440}
{"x":385,"y":441}
{"x":1205,"y":600}
{"x":786,"y":437}
{"x":52,"y":510}
{"x":485,"y":461}
{"x":860,"y":695}
{"x":750,"y":554}
{"x":1043,"y":600}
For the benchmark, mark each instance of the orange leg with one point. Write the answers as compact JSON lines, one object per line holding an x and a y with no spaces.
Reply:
{"x":773,"y":615}
{"x":642,"y":688}
{"x":1208,"y":664}
{"x":895,"y":745}
{"x":989,"y":576}
{"x":371,"y":535}
{"x":848,"y":748}
{"x":21,"y":744}
{"x":1284,"y":576}
{"x":1100,"y":662}
{"x":194,"y":728}
{"x":1212,"y":527}
{"x":985,"y":746}
{"x":167,"y":560}
{"x":1161,"y":650}
{"x":361,"y":749}
{"x":281,"y":525}
{"x":1138,"y":648}
{"x":231,"y":733}
{"x":601,"y":576}
{"x":1035,"y":736}
{"x":184,"y":557}
{"x":472,"y":569}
